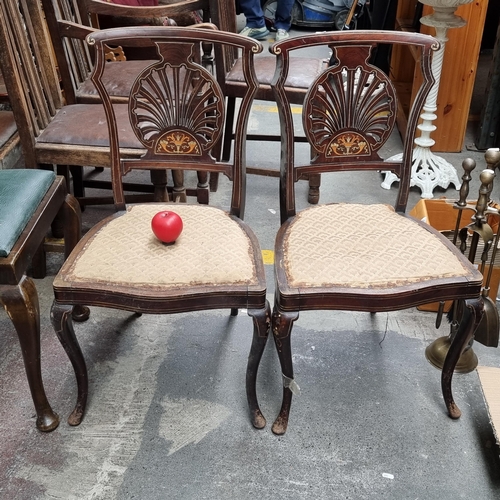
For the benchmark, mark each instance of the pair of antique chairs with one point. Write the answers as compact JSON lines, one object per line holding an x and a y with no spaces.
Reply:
{"x":327,"y":257}
{"x":330,"y":256}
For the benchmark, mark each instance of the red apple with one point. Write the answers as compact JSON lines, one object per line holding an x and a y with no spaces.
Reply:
{"x":167,"y":226}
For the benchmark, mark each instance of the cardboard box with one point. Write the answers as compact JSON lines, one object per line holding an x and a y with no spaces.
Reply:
{"x":490,"y":384}
{"x":441,"y":215}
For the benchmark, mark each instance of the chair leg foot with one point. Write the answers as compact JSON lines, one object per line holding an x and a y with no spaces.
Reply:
{"x":21,"y":304}
{"x":280,"y":425}
{"x":261,"y":321}
{"x":472,"y":317}
{"x":61,"y":316}
{"x":282,"y":324}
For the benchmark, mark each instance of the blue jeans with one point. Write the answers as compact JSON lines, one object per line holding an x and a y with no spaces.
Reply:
{"x":255,"y":17}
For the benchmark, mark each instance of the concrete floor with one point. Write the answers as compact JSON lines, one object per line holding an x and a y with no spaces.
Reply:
{"x":167,"y":415}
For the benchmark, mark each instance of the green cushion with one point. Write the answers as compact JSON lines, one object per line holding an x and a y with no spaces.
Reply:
{"x":21,"y":191}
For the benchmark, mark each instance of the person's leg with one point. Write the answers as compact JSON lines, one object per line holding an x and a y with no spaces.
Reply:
{"x":252,"y":11}
{"x":283,"y":16}
{"x":255,"y":24}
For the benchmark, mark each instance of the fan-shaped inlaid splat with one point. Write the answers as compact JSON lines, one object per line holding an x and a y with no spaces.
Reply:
{"x":349,"y":112}
{"x":177,"y":109}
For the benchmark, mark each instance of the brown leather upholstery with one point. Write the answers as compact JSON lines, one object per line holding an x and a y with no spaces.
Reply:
{"x":119,"y":77}
{"x":86,"y":125}
{"x":303,"y":71}
{"x":8,"y":126}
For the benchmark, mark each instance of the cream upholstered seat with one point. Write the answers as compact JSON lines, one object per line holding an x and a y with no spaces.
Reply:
{"x":213,"y":249}
{"x":353,"y":257}
{"x":400,"y":252}
{"x":176,"y":112}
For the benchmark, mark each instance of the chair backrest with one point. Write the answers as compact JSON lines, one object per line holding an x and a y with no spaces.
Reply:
{"x":29,"y":70}
{"x":168,"y":8}
{"x":68,"y":25}
{"x":350,"y":110}
{"x":70,"y":21}
{"x":223,"y":15}
{"x":176,"y":107}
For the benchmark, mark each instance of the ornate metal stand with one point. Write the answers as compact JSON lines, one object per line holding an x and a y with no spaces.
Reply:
{"x":428,"y":169}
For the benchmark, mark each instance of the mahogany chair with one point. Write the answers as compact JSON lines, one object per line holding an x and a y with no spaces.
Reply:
{"x":303,"y":71}
{"x":354,"y":256}
{"x":52,"y":132}
{"x":30,"y":200}
{"x":176,"y":110}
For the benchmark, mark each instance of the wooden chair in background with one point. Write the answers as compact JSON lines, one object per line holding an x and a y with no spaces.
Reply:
{"x":51,"y":131}
{"x":303,"y":72}
{"x":69,"y":22}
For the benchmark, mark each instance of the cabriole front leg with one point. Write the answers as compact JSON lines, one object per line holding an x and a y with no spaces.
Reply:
{"x":21,"y":304}
{"x":61,"y":316}
{"x":472,"y":317}
{"x":282,"y":324}
{"x":261,"y":321}
{"x":72,"y":235}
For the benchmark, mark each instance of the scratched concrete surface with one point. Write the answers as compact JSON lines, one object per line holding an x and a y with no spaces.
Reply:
{"x":167,"y":415}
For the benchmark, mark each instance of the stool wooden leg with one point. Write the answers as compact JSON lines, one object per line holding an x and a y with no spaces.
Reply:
{"x":21,"y":304}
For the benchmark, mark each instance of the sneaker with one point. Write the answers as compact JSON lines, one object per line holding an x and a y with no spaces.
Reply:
{"x":281,"y":35}
{"x":256,"y":33}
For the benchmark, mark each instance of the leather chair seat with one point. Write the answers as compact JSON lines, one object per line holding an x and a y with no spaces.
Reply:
{"x":303,"y":71}
{"x":85,"y":125}
{"x":8,"y":126}
{"x":118,"y":78}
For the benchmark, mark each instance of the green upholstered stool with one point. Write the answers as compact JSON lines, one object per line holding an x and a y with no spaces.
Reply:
{"x":30,"y":200}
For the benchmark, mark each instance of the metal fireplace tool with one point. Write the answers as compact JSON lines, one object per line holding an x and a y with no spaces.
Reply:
{"x":481,"y":235}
